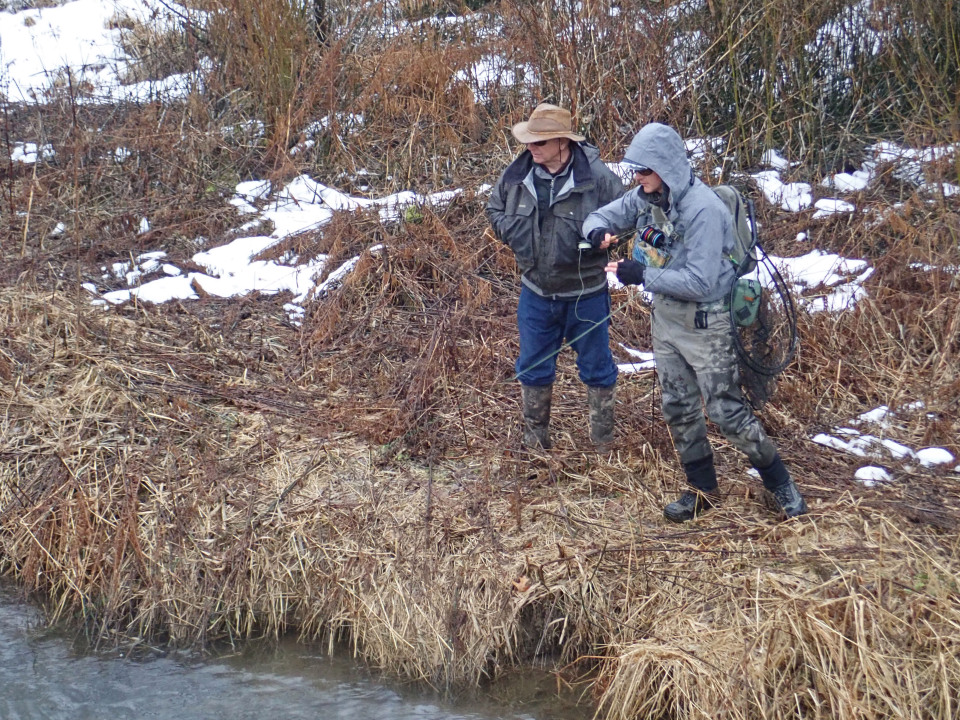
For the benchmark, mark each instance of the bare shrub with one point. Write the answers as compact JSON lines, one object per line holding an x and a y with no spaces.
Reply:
{"x":157,"y":49}
{"x":819,"y":78}
{"x":605,"y":61}
{"x":265,"y":57}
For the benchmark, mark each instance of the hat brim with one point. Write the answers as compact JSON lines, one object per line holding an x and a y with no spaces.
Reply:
{"x":522,"y":133}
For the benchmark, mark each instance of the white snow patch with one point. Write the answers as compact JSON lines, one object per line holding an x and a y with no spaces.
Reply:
{"x":773,"y":159}
{"x":841,"y":277}
{"x":792,"y":197}
{"x":866,"y":446}
{"x":870,"y":475}
{"x":848,"y":182}
{"x":646,"y":361}
{"x":932,"y":456}
{"x":831,"y":206}
{"x":28,"y":152}
{"x":878,"y":416}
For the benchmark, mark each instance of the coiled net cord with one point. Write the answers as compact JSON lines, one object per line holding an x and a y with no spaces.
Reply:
{"x":784,"y":293}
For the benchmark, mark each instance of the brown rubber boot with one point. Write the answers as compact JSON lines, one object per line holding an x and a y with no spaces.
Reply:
{"x":601,"y":402}
{"x":536,"y":415}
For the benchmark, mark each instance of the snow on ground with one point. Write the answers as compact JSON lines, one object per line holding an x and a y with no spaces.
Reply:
{"x":645,"y":360}
{"x":492,"y":72}
{"x":27,"y":153}
{"x":839,"y":279}
{"x":232,"y":269}
{"x":792,"y":197}
{"x":83,"y":35}
{"x":875,"y":447}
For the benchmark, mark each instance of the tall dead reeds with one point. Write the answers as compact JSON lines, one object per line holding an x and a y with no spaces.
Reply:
{"x":206,"y":471}
{"x":819,"y":79}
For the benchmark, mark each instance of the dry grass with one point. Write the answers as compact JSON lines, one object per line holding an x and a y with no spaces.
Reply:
{"x":155,"y":50}
{"x":206,"y":471}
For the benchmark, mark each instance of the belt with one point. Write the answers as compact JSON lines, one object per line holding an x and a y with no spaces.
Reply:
{"x":714,"y":306}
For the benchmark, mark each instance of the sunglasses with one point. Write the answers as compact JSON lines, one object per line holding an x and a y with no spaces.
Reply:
{"x":539,"y":143}
{"x":642,"y":171}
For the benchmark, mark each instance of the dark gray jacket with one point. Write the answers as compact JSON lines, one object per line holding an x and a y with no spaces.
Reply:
{"x":702,"y":227}
{"x":549,"y":260}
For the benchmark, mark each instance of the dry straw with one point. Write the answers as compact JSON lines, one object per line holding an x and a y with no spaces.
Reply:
{"x":210,"y":472}
{"x":206,"y":471}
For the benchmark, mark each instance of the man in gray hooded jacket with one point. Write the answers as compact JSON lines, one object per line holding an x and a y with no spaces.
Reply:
{"x":690,"y":278}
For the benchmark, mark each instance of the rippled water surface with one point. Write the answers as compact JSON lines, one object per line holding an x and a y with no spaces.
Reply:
{"x":42,"y":675}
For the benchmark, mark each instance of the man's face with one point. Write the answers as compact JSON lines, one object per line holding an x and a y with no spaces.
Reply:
{"x":549,"y":152}
{"x":649,"y":181}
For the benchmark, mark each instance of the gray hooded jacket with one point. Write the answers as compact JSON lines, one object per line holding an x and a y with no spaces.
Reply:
{"x":702,"y":236}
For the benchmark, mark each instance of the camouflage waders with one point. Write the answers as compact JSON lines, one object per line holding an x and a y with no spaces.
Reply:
{"x":693,"y":346}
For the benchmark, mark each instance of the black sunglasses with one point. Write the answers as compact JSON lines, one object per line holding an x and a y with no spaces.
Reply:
{"x":642,"y":171}
{"x":540,"y":143}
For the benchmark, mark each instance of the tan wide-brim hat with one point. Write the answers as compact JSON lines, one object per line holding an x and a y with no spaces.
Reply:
{"x":547,"y":122}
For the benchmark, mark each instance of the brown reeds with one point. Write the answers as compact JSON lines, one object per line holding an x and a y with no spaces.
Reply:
{"x":207,"y":471}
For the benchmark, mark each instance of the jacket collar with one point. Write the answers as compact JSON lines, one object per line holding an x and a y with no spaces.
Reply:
{"x":521,"y":167}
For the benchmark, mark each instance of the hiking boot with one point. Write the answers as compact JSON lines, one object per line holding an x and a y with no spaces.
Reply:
{"x":601,"y":403}
{"x":536,"y":415}
{"x":789,"y":499}
{"x":776,"y":478}
{"x":690,"y":505}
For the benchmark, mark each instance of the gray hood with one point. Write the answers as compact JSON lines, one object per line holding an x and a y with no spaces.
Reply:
{"x":702,"y":225}
{"x":661,"y":149}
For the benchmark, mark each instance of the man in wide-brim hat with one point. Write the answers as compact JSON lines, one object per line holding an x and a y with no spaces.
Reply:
{"x":537,"y":208}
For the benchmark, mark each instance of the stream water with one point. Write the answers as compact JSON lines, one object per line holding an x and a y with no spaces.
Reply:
{"x":44,"y":675}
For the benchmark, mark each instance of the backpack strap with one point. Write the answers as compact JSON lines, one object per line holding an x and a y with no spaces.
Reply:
{"x":663,"y":223}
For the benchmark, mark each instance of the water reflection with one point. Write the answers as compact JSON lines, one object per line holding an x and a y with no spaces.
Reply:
{"x":42,"y":676}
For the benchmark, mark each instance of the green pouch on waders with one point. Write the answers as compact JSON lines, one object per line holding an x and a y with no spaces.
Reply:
{"x":745,"y":301}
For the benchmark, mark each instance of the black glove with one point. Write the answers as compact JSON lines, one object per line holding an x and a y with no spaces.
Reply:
{"x":630,"y":272}
{"x":596,"y":237}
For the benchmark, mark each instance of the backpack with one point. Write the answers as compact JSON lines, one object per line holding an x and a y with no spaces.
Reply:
{"x":743,"y":255}
{"x":744,"y":252}
{"x":746,"y":293}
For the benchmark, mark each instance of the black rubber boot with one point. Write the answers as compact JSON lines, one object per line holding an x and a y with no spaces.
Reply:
{"x":702,"y":477}
{"x":776,"y":479}
{"x":536,"y":415}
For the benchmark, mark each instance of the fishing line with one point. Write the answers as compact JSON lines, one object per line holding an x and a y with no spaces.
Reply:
{"x":567,"y":344}
{"x":593,"y":327}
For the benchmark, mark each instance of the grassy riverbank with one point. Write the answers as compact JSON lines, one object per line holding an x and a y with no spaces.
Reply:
{"x":185,"y":473}
{"x":207,"y":469}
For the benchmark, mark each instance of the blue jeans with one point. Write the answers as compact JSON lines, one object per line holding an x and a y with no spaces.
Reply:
{"x":544,"y":324}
